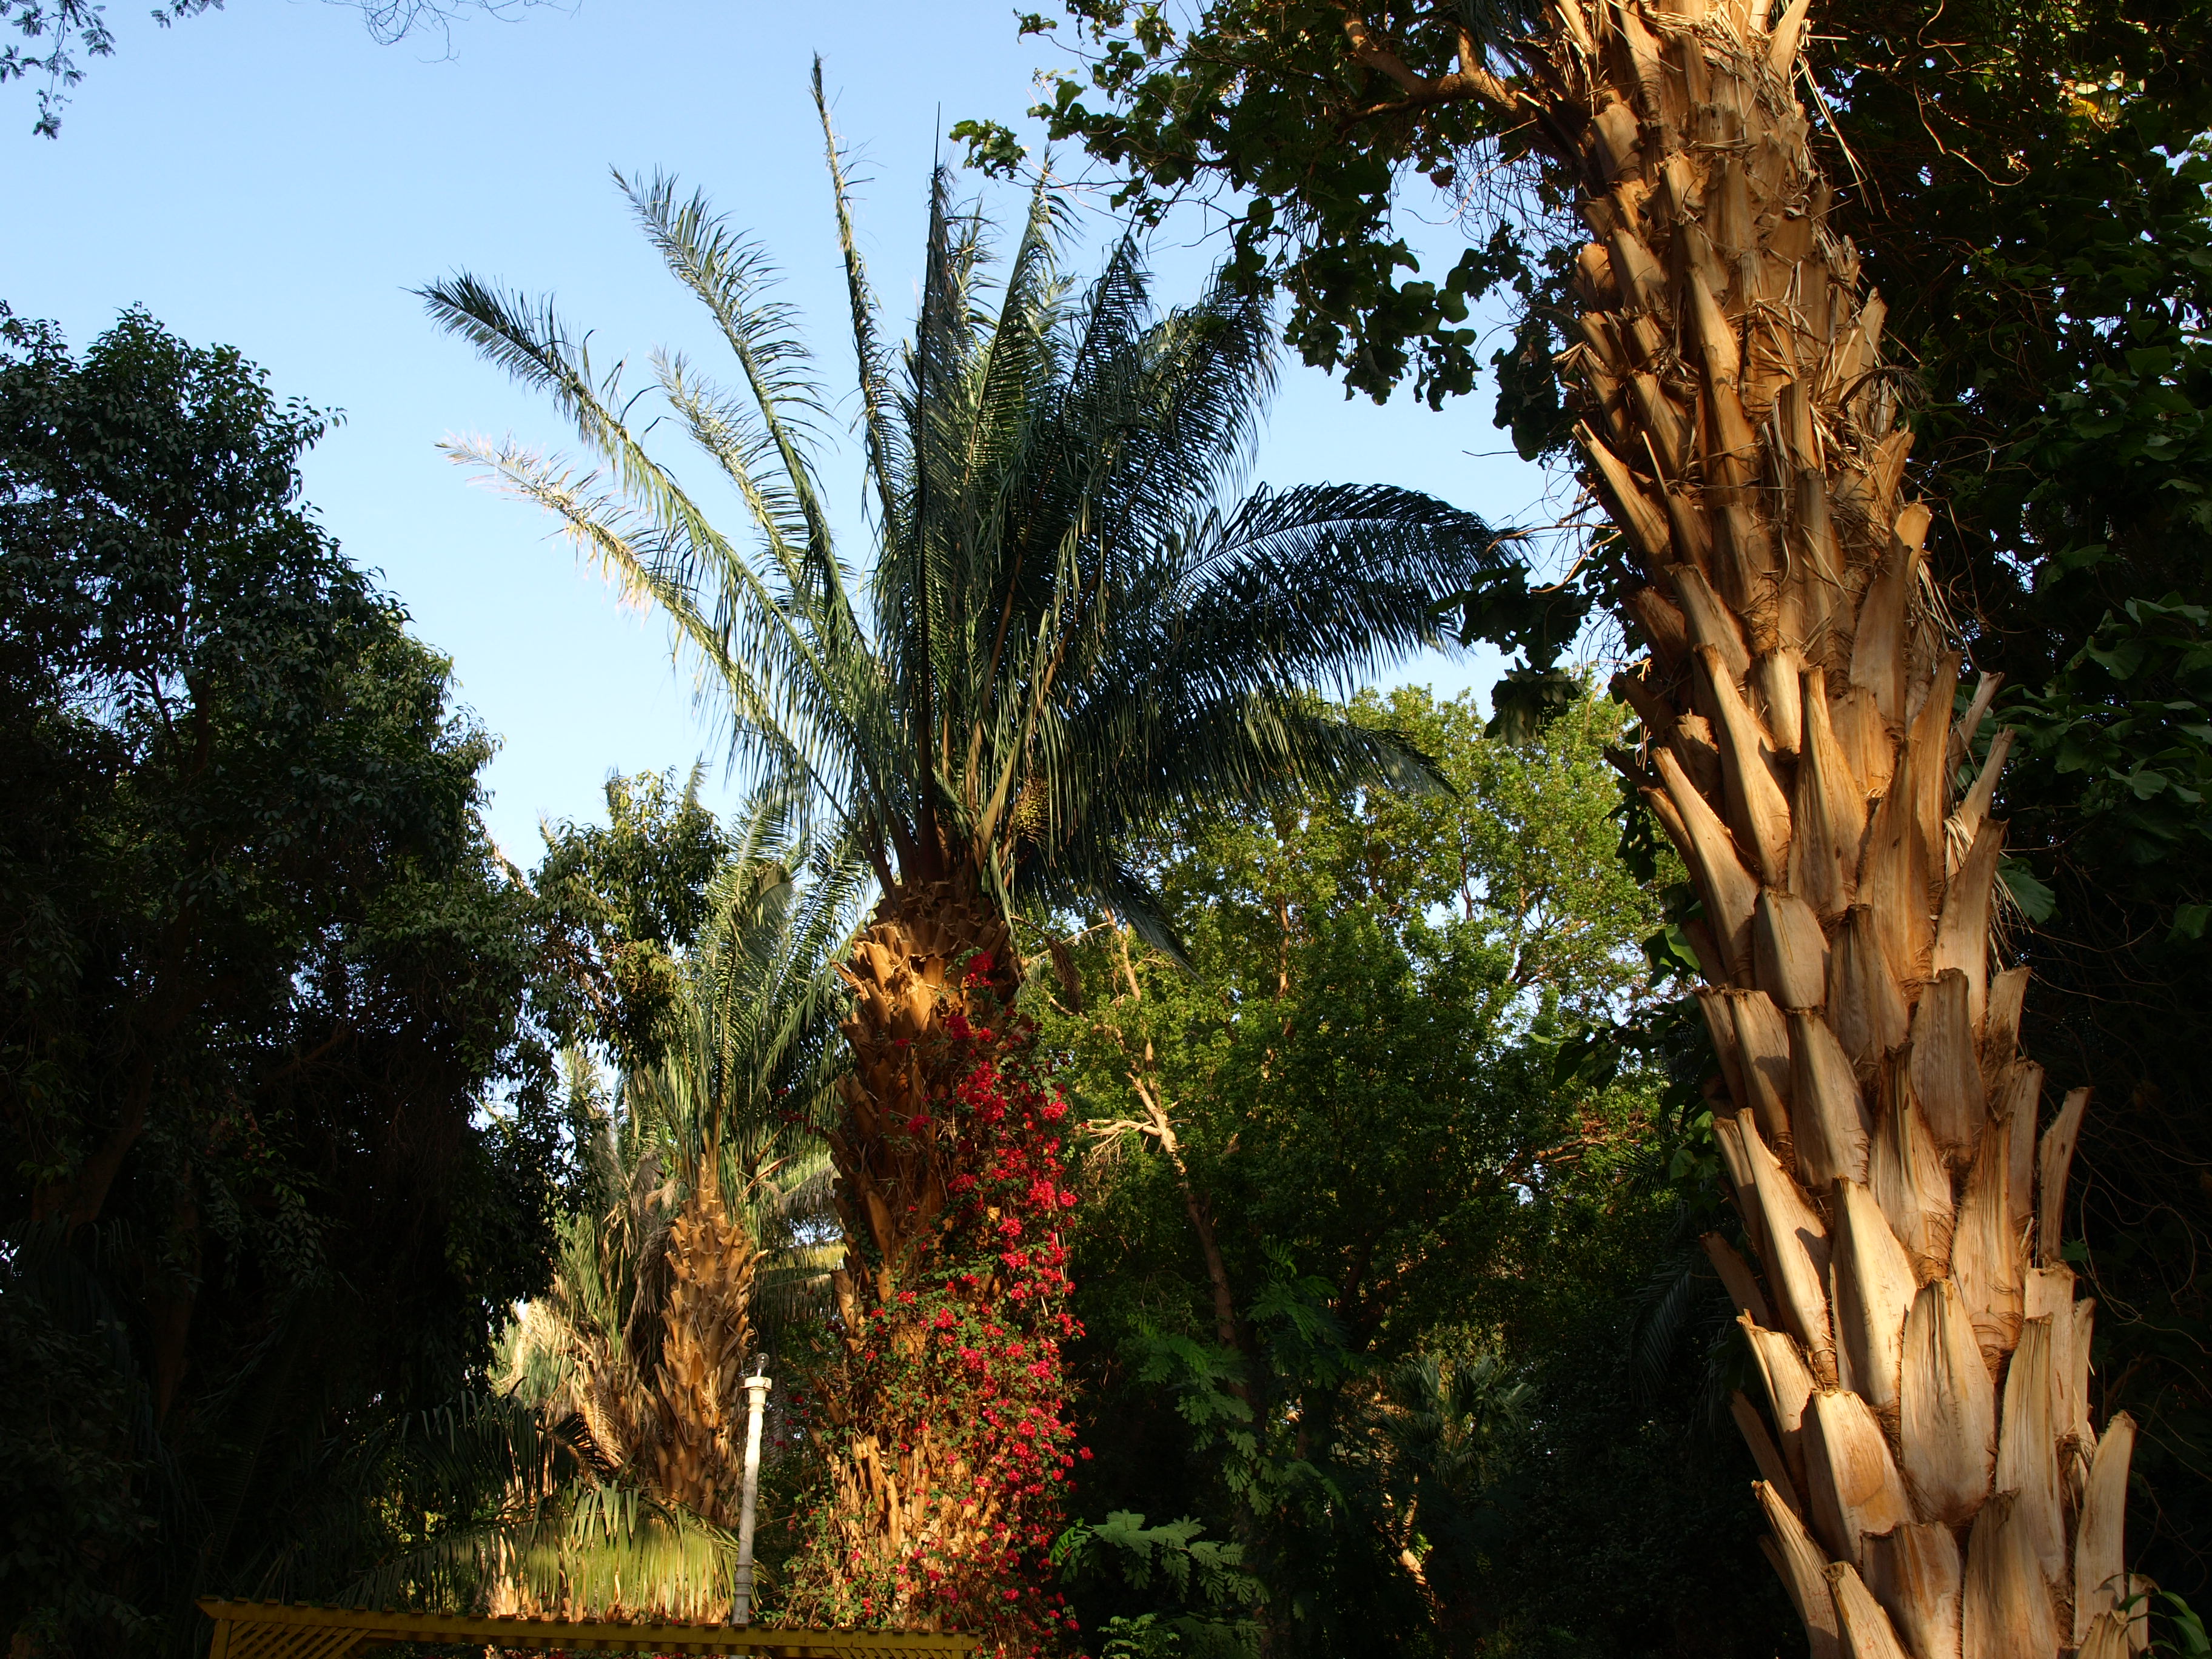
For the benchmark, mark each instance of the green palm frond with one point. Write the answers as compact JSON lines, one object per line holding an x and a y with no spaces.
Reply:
{"x":872,"y":366}
{"x":733,"y":279}
{"x":1067,"y":626}
{"x":750,"y":1077}
{"x":762,"y":631}
{"x":794,"y":1219}
{"x":598,"y":1551}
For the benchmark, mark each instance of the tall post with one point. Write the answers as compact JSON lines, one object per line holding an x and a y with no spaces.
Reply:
{"x":757,"y":1387}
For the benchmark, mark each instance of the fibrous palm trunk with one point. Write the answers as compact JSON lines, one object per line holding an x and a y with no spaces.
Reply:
{"x":658,"y":1398}
{"x":934,"y":972}
{"x":1931,"y":1476}
{"x":697,"y":1451}
{"x":662,"y":1399}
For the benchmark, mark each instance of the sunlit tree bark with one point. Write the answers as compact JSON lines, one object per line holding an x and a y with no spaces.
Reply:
{"x":1931,"y":1475}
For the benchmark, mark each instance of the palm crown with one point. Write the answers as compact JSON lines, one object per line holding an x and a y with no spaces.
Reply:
{"x":1065,"y":627}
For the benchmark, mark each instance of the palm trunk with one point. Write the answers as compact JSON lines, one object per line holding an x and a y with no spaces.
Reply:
{"x":906,"y":973}
{"x":894,"y":1155}
{"x":699,"y":1398}
{"x":948,"y":1443}
{"x":1931,"y":1477}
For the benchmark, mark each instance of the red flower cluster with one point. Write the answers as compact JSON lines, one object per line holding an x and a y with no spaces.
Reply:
{"x":966,"y":1355}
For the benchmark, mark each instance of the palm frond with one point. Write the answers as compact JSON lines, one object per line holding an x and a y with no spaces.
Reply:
{"x":732,"y":277}
{"x":604,"y":1551}
{"x":871,"y":363}
{"x":1071,"y":628}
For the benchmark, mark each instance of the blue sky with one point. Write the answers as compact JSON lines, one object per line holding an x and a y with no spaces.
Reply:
{"x":270,"y":178}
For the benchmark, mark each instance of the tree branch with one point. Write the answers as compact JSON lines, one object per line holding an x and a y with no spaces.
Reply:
{"x":1470,"y":80}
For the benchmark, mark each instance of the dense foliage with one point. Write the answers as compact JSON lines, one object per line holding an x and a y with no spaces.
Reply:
{"x":1366,"y":1239}
{"x":264,"y":984}
{"x":604,"y":1469}
{"x":2027,"y":185}
{"x":623,"y":902}
{"x":1301,"y":1258}
{"x":1065,"y":624}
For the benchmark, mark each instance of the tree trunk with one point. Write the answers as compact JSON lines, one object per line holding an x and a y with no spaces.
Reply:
{"x":1933,"y":1482}
{"x":949,"y":1440}
{"x":697,"y":1451}
{"x":895,"y":1155}
{"x":906,"y":973}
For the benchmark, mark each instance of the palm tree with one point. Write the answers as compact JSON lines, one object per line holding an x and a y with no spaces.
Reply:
{"x":1444,"y":1429}
{"x":695,"y":1252}
{"x":601,"y":1477}
{"x":1932,"y":1478}
{"x":1063,"y":630}
{"x":702,"y":1166}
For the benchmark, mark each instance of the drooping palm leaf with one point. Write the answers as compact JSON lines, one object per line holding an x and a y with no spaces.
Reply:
{"x":1065,"y":626}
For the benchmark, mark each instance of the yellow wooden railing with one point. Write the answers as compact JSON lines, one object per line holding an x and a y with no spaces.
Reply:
{"x":277,"y":1630}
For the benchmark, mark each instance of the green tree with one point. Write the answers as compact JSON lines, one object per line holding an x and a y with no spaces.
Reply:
{"x":1361,"y":1216}
{"x":280,"y":1142}
{"x":609,"y":1457}
{"x":1062,"y":631}
{"x":623,"y":904}
{"x":2029,"y":181}
{"x":1728,"y":399}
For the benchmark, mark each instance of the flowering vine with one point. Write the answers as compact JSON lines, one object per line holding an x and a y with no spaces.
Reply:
{"x":949,"y":1447}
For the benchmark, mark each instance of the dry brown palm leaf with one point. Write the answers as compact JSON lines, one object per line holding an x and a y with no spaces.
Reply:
{"x":1865,"y":1005}
{"x":2027,"y":1450}
{"x":2049,"y":1298}
{"x":1830,"y":815}
{"x":1829,"y":1122}
{"x":1915,"y":1573}
{"x":1852,"y":1483}
{"x":1947,"y":1069}
{"x":1867,"y":1630}
{"x":1988,"y":1257}
{"x":1804,"y":1572}
{"x":1789,"y":955}
{"x":1772,"y":1467}
{"x":2006,"y":1610}
{"x":1790,"y":1387}
{"x":1874,"y":1293}
{"x":1741,"y":1284}
{"x":1763,"y":1050}
{"x":1796,"y":1253}
{"x":2099,"y":1543}
{"x":2056,"y":1162}
{"x":1947,"y":1408}
{"x":1907,"y":1175}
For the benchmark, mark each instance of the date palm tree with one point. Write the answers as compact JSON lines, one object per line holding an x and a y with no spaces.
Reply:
{"x":1062,"y":628}
{"x":614,"y":1444}
{"x":1931,"y":1475}
{"x":701,"y":1164}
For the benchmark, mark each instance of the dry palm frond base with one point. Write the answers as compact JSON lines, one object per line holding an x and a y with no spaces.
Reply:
{"x":1933,"y":1480}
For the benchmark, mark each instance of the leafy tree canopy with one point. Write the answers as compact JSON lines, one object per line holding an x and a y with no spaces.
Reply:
{"x":625,"y":903}
{"x":1361,"y":1227}
{"x":278,"y":1144}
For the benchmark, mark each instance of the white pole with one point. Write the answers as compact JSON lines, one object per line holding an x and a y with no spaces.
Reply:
{"x":757,"y":1387}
